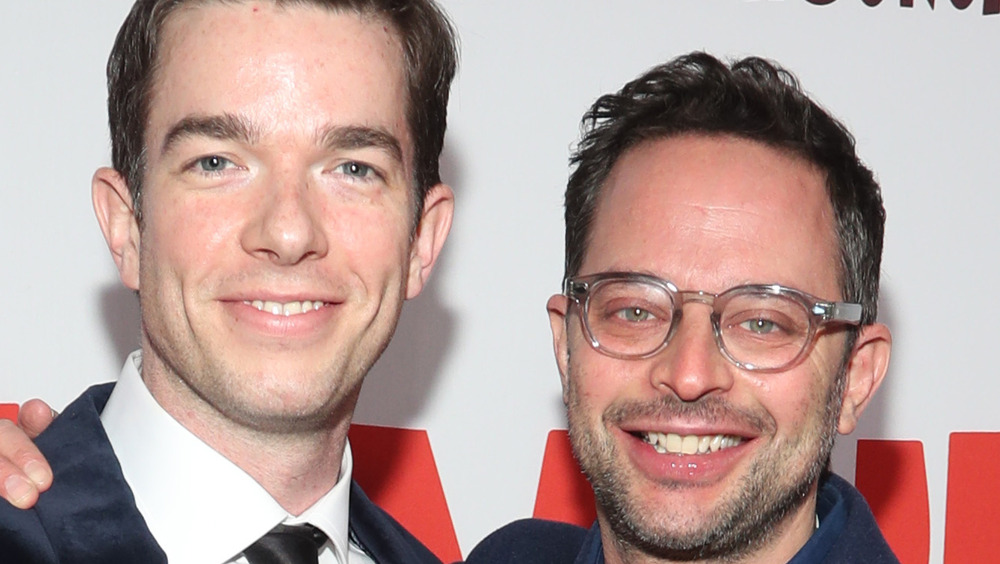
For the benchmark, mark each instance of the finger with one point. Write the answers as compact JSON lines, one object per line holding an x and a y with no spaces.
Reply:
{"x":17,"y":489}
{"x":23,"y":471}
{"x":34,"y":417}
{"x":18,"y":450}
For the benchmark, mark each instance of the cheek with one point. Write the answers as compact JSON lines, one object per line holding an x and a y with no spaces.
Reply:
{"x":363,"y":230}
{"x":798,"y":405}
{"x":596,"y":381}
{"x":582,"y":389}
{"x":785,"y":396}
{"x":189,"y":240}
{"x":372,"y":242}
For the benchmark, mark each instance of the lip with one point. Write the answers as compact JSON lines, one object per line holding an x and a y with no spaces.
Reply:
{"x":684,"y":470}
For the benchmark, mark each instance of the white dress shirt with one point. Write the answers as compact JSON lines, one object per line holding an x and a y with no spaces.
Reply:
{"x":200,"y":507}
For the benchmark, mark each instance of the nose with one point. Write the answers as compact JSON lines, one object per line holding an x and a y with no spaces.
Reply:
{"x":691,"y":366}
{"x":287,"y":226}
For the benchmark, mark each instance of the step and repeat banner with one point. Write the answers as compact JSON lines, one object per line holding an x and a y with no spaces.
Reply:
{"x":468,"y":391}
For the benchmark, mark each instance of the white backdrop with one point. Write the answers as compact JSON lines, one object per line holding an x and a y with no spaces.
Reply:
{"x":471,"y":362}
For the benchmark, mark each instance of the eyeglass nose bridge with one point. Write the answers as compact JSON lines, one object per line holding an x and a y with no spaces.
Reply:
{"x":683,"y":297}
{"x":697,"y":296}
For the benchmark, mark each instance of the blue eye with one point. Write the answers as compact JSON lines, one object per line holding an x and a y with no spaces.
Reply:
{"x":354,"y":168}
{"x":213,"y":163}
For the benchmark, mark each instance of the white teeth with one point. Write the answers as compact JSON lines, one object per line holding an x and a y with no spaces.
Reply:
{"x":703,"y":444}
{"x":689,"y":445}
{"x":716,"y":443}
{"x":673,"y":443}
{"x":287,"y":309}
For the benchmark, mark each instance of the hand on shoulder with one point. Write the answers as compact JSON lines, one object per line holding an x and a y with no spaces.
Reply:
{"x":24,"y":472}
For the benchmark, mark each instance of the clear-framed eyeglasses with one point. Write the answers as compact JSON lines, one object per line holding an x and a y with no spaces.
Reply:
{"x":760,"y":327}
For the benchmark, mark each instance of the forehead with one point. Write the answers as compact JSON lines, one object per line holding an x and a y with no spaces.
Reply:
{"x":712,"y":212}
{"x":299,"y":64}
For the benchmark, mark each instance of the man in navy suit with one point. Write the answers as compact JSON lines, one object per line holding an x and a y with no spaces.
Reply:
{"x":717,"y":325}
{"x":274,"y":198}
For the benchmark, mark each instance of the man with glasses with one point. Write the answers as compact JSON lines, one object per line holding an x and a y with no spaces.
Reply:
{"x":716,"y":327}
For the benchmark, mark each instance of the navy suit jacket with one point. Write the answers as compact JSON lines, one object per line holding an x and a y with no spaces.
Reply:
{"x":89,"y":514}
{"x":847,"y":534}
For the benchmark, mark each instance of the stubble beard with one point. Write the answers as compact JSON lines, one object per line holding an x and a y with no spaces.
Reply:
{"x":740,"y":525}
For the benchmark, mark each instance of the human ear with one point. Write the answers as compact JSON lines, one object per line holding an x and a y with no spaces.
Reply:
{"x":558,"y":306}
{"x":435,"y":223}
{"x":866,"y":368}
{"x":115,"y":214}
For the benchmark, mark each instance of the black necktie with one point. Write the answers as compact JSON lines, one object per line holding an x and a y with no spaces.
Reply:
{"x":287,"y":544}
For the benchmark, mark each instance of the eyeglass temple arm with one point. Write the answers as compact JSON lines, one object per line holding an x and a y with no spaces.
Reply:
{"x":839,"y":311}
{"x":572,"y":288}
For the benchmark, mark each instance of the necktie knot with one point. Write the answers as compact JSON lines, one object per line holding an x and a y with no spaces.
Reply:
{"x":287,"y":544}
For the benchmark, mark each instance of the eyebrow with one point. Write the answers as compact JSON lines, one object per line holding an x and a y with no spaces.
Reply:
{"x":236,"y":128}
{"x":346,"y":137}
{"x":223,"y":127}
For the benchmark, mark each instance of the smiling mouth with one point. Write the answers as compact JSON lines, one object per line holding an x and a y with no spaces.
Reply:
{"x":672,"y":443}
{"x":285,"y":309}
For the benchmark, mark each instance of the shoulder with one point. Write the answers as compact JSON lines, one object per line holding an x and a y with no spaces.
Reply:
{"x":89,"y":514}
{"x":79,"y":422}
{"x":861,"y":539}
{"x":22,"y":536}
{"x":78,"y":449}
{"x":26,"y":535}
{"x":382,"y":536}
{"x":530,"y":541}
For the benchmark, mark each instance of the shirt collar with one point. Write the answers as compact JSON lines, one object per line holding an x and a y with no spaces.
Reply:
{"x":200,"y":506}
{"x":831,"y":514}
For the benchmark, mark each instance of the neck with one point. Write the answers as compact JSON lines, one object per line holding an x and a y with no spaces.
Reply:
{"x":297,"y":460}
{"x":295,"y":471}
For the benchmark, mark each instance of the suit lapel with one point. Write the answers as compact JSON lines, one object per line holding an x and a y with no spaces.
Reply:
{"x":384,"y":539}
{"x":90,"y":513}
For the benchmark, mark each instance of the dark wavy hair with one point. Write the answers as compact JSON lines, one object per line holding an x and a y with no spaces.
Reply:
{"x":751,"y":98}
{"x":430,"y":52}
